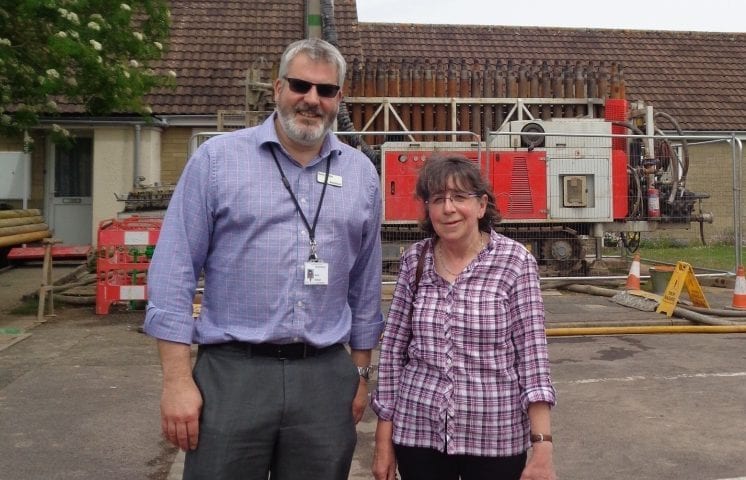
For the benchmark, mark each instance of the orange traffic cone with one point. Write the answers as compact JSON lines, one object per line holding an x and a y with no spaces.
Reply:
{"x":633,"y":279}
{"x":739,"y":292}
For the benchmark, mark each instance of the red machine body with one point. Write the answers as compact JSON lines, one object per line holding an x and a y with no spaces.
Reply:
{"x":557,"y":183}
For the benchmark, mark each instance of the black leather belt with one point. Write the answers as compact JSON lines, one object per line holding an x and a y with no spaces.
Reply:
{"x":285,"y":351}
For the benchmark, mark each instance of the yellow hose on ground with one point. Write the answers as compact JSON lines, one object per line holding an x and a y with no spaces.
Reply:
{"x":640,"y":330}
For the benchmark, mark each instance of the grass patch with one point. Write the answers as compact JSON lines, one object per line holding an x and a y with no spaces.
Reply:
{"x":28,"y":307}
{"x":714,"y":257}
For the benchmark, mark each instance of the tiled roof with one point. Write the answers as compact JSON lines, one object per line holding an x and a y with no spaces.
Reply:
{"x":698,"y":78}
{"x":213,"y":44}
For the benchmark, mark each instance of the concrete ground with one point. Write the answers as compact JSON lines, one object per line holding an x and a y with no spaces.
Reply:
{"x":79,"y":395}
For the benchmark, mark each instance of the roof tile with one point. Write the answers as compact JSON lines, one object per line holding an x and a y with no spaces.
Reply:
{"x":682,"y":73}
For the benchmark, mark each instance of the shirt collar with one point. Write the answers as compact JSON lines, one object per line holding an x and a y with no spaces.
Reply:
{"x":267,"y":134}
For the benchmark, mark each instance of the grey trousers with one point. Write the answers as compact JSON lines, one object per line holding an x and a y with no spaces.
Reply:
{"x":262,"y":416}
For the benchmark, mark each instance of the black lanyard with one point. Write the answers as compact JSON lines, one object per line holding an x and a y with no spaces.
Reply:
{"x":311,"y":228}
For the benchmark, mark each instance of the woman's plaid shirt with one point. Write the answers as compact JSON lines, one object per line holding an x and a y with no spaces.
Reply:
{"x":460,"y":376}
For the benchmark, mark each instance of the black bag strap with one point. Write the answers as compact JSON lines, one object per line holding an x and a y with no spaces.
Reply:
{"x":418,"y":276}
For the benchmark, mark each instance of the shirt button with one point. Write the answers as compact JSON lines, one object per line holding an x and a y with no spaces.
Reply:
{"x":300,"y":304}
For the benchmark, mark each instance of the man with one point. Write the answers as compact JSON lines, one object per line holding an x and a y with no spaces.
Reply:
{"x":284,"y":220}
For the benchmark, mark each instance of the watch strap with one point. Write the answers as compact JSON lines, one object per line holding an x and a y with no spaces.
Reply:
{"x":540,"y":437}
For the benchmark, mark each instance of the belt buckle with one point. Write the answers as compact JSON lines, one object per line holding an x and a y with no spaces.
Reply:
{"x":300,"y":353}
{"x":284,"y":352}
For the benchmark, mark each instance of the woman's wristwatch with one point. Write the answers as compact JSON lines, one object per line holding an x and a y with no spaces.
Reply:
{"x":540,"y":437}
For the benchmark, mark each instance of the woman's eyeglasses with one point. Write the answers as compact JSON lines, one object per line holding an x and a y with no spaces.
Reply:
{"x":326,"y":90}
{"x":457,"y":198}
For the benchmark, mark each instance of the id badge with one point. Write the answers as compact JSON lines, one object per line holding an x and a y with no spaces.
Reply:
{"x":317,"y":273}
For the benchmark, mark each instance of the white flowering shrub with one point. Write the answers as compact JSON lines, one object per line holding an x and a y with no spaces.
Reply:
{"x":96,"y":54}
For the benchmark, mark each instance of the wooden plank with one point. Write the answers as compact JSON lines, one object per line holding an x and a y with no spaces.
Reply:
{"x":10,"y":340}
{"x":59,"y":252}
{"x":21,"y":238}
{"x":18,"y":229}
{"x":20,"y":213}
{"x":12,"y":222}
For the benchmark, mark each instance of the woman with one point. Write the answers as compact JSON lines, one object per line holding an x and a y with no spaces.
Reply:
{"x":464,"y":387}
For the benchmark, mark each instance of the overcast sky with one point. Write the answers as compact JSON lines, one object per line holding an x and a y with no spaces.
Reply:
{"x":694,"y":15}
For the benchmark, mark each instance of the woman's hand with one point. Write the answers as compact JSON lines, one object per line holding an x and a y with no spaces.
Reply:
{"x":384,"y":459}
{"x":540,"y":465}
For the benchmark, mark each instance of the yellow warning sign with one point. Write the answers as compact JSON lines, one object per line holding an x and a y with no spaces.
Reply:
{"x":683,"y":276}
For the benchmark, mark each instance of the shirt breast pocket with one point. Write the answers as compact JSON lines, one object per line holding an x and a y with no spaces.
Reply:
{"x":341,"y":224}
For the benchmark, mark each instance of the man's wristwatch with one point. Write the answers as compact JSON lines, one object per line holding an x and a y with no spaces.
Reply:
{"x":364,"y":372}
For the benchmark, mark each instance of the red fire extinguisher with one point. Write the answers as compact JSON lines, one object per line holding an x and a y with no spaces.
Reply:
{"x":654,"y":203}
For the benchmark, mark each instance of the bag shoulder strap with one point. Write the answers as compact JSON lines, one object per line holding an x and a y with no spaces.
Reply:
{"x":418,"y":273}
{"x":420,"y":267}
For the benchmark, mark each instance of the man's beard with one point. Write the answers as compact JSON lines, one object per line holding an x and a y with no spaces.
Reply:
{"x":300,"y":132}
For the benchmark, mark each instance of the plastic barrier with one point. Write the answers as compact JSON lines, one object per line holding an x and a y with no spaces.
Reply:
{"x":123,"y":253}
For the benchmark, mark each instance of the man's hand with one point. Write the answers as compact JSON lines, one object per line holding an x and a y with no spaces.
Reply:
{"x":361,"y":358}
{"x":360,"y":401}
{"x":181,"y":400}
{"x":181,"y":404}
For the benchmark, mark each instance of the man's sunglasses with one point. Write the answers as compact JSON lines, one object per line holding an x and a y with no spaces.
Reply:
{"x":326,"y":90}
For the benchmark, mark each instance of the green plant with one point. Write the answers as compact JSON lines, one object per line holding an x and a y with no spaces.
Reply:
{"x":663,"y":242}
{"x":95,"y":54}
{"x":27,"y":307}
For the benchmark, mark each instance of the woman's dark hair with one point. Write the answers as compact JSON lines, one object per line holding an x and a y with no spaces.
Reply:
{"x":464,"y":173}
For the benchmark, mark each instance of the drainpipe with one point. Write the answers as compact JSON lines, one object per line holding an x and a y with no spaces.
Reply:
{"x":136,"y":178}
{"x":313,"y":19}
{"x":27,"y":142}
{"x":135,"y":122}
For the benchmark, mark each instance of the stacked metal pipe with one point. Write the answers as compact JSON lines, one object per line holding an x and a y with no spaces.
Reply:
{"x":479,"y":79}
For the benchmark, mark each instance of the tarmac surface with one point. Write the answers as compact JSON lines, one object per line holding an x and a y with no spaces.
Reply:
{"x":79,"y":394}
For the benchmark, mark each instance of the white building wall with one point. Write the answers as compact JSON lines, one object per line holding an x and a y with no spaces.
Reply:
{"x":149,"y":166}
{"x":113,"y":167}
{"x":113,"y":154}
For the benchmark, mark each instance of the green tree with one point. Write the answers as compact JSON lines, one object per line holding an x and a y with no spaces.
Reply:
{"x":95,"y":55}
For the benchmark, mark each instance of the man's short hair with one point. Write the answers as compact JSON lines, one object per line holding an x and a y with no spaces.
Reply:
{"x":317,"y":50}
